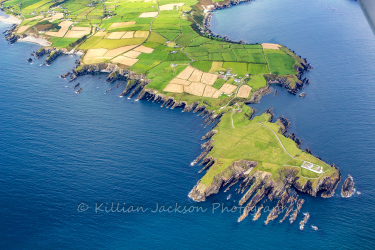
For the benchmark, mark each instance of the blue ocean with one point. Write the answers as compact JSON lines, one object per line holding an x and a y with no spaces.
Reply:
{"x":90,"y":170}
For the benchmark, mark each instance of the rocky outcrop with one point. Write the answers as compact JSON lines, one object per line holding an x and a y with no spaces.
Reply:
{"x":279,"y":207}
{"x":209,"y":134}
{"x":115,"y":72}
{"x":295,"y":139}
{"x":9,"y":36}
{"x":257,"y":95}
{"x":292,"y":200}
{"x":293,"y":217}
{"x":258,"y":213}
{"x":304,"y":221}
{"x":231,"y":174}
{"x":287,"y":83}
{"x":53,"y":55}
{"x":327,"y":185}
{"x":347,"y":189}
{"x":284,"y":124}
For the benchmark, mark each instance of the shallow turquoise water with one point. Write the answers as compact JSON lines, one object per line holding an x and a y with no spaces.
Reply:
{"x":60,"y":149}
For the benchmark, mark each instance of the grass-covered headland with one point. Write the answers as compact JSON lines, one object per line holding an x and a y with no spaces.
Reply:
{"x":168,"y":45}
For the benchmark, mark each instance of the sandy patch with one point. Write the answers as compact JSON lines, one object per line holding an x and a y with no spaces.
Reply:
{"x":141,"y":33}
{"x":144,"y":49}
{"x":208,"y":78}
{"x":270,"y":46}
{"x":132,"y":54}
{"x":23,"y":28}
{"x":227,"y":88}
{"x":40,"y":41}
{"x":77,"y":33}
{"x":115,"y":35}
{"x":118,"y":51}
{"x":54,"y":17}
{"x":96,"y":53}
{"x":34,"y":18}
{"x":10,"y":19}
{"x":185,"y":74}
{"x":196,"y":76}
{"x":209,"y":91}
{"x":180,"y":81}
{"x":128,"y":34}
{"x":216,"y":94}
{"x":170,"y":6}
{"x":148,"y":14}
{"x":125,"y":60}
{"x":244,"y":91}
{"x":175,"y":88}
{"x":64,"y":28}
{"x":118,"y":25}
{"x":195,"y":88}
{"x":100,"y":33}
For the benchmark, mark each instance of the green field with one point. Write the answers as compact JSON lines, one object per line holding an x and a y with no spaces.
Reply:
{"x":254,"y":140}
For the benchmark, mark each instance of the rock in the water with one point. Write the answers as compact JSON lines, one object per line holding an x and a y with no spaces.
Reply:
{"x":347,"y":189}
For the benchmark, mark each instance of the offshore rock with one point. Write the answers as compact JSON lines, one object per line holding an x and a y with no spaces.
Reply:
{"x":292,"y":200}
{"x":348,"y":189}
{"x":279,"y":207}
{"x":293,"y":217}
{"x":258,"y":213}
{"x":304,"y":221}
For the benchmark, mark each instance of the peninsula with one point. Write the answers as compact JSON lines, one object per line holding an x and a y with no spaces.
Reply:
{"x":167,"y":53}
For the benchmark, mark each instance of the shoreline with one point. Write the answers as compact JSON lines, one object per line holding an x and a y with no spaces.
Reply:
{"x":137,"y":87}
{"x":35,"y":40}
{"x":10,"y":20}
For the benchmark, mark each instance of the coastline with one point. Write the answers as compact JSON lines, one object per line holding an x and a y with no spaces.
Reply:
{"x":35,"y":40}
{"x":10,"y":20}
{"x":137,"y":83}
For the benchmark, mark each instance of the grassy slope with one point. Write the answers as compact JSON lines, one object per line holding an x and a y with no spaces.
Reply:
{"x":250,"y":140}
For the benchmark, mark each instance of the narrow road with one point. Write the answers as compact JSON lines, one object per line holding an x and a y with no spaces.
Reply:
{"x":277,"y":139}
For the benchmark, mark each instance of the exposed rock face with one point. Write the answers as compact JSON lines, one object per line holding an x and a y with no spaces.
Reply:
{"x":327,"y":184}
{"x":284,"y":124}
{"x":279,"y":207}
{"x":233,"y":173}
{"x":285,"y":83}
{"x":9,"y":36}
{"x":292,"y":200}
{"x":347,"y":189}
{"x":304,"y":221}
{"x":255,"y":97}
{"x":209,"y":134}
{"x":258,"y":213}
{"x":296,"y":140}
{"x":293,"y":217}
{"x":116,"y":73}
{"x":52,"y":56}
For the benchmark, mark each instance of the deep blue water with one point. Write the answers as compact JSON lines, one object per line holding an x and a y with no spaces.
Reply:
{"x":59,"y":149}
